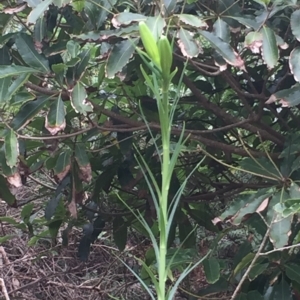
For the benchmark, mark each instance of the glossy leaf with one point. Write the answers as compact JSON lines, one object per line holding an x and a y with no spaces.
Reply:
{"x":11,"y":148}
{"x":294,"y":63}
{"x":221,"y":30}
{"x":270,"y":51}
{"x":14,"y":70}
{"x":55,"y":119}
{"x":27,"y":112}
{"x":119,"y":57}
{"x":295,"y":24}
{"x":156,"y":25}
{"x":248,"y":205}
{"x":187,"y":44}
{"x":30,"y":55}
{"x":16,"y":85}
{"x":280,"y":232}
{"x":38,"y":11}
{"x":224,"y":49}
{"x":212,"y":270}
{"x":79,"y":99}
{"x":287,"y":98}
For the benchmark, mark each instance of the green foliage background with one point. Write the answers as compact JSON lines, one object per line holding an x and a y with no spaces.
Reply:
{"x":72,"y":100}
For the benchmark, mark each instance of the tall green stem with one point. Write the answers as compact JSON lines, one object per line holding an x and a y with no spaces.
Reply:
{"x":163,"y":201}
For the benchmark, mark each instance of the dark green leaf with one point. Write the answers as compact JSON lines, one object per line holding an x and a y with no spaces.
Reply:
{"x":38,"y":11}
{"x":55,"y":120}
{"x":52,"y":206}
{"x":79,"y":99}
{"x":293,"y":62}
{"x":212,"y":270}
{"x":281,"y":291}
{"x":13,"y":70}
{"x":27,"y":112}
{"x":11,"y":148}
{"x":257,"y":269}
{"x":187,"y":44}
{"x":186,"y":233}
{"x":292,"y":271}
{"x":280,"y":231}
{"x":270,"y":51}
{"x":26,"y":212}
{"x":120,"y":233}
{"x":295,"y":24}
{"x":119,"y":57}
{"x":224,"y":49}
{"x":192,"y":20}
{"x":29,"y":54}
{"x":287,"y":97}
{"x":5,"y":193}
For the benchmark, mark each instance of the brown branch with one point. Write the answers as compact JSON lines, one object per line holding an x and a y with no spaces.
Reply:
{"x":227,"y":117}
{"x":176,"y":131}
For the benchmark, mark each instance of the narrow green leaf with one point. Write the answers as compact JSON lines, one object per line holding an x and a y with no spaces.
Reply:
{"x":4,"y":85}
{"x":30,"y":55}
{"x":270,"y":50}
{"x":212,"y":270}
{"x":6,"y":238}
{"x":85,"y":57}
{"x":243,"y":263}
{"x":11,"y":148}
{"x":27,"y":112}
{"x":40,"y":30}
{"x":14,"y":70}
{"x":16,"y":85}
{"x":257,"y":269}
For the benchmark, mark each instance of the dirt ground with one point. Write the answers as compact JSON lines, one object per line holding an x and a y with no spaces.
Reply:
{"x":45,"y":271}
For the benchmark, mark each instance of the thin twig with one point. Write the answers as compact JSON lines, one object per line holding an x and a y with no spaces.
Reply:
{"x":252,"y":264}
{"x":4,"y":290}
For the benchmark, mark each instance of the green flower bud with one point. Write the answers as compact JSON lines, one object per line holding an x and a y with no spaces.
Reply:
{"x":149,"y":43}
{"x":166,"y":56}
